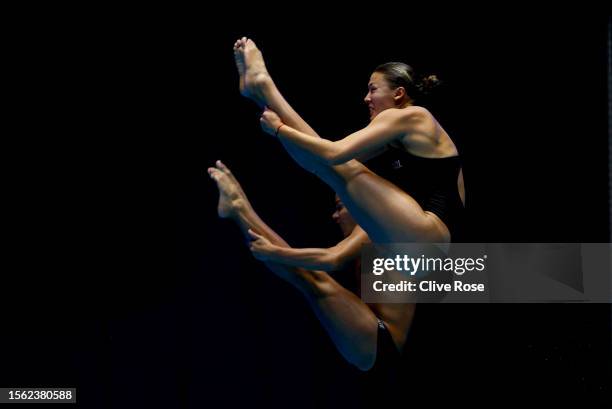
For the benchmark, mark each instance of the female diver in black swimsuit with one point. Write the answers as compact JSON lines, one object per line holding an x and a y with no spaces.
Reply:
{"x":416,"y":194}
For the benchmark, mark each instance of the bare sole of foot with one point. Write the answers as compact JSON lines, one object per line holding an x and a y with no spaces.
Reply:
{"x":231,"y":195}
{"x":251,"y":69}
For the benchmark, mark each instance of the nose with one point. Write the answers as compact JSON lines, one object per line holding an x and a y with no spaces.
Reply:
{"x":367,"y":98}
{"x":335,"y":216}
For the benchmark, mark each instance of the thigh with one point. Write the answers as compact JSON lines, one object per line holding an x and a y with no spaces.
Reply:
{"x":387,"y":213}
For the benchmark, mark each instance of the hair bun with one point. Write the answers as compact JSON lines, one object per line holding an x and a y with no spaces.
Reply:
{"x":428,"y":83}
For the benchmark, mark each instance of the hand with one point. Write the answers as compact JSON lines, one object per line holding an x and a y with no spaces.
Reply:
{"x":270,"y":121}
{"x":261,"y":247}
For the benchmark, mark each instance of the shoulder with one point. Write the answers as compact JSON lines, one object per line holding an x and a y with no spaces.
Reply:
{"x":416,"y":113}
{"x":402,"y":114}
{"x":404,"y":120}
{"x":418,"y":119}
{"x":409,"y":114}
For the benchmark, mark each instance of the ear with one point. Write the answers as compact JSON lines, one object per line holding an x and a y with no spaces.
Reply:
{"x":399,"y":94}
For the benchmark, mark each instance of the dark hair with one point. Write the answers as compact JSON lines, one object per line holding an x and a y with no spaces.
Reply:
{"x":399,"y":74}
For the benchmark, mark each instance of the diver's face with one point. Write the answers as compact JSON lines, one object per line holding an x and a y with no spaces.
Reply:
{"x":343,"y":218}
{"x":380,"y":96}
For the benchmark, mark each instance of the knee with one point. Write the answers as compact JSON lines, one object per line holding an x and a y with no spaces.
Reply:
{"x":354,"y":168}
{"x":435,"y":230}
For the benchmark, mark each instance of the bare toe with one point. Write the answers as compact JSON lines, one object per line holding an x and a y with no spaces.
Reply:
{"x":221,"y":166}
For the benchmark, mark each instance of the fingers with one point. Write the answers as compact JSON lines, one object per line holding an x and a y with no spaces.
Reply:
{"x":266,"y":113}
{"x":254,"y":235}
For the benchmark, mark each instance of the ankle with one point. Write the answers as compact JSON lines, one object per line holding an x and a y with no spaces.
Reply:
{"x":240,"y":206}
{"x":261,"y":80}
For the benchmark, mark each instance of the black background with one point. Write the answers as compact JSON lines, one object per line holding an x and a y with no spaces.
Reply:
{"x":125,"y":284}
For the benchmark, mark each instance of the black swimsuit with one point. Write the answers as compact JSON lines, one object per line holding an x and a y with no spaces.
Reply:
{"x":432,"y":182}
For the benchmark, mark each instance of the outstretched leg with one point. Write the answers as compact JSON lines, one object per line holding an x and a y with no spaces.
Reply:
{"x":350,"y":323}
{"x":384,"y":211}
{"x":234,"y":204}
{"x":257,"y":85}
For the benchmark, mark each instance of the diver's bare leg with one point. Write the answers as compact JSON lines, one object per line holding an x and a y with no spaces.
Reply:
{"x":234,"y":204}
{"x":350,"y":323}
{"x":384,"y":211}
{"x":256,"y":84}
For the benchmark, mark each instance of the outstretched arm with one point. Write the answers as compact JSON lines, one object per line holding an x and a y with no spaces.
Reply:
{"x":257,"y":84}
{"x":329,"y":259}
{"x":387,"y":126}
